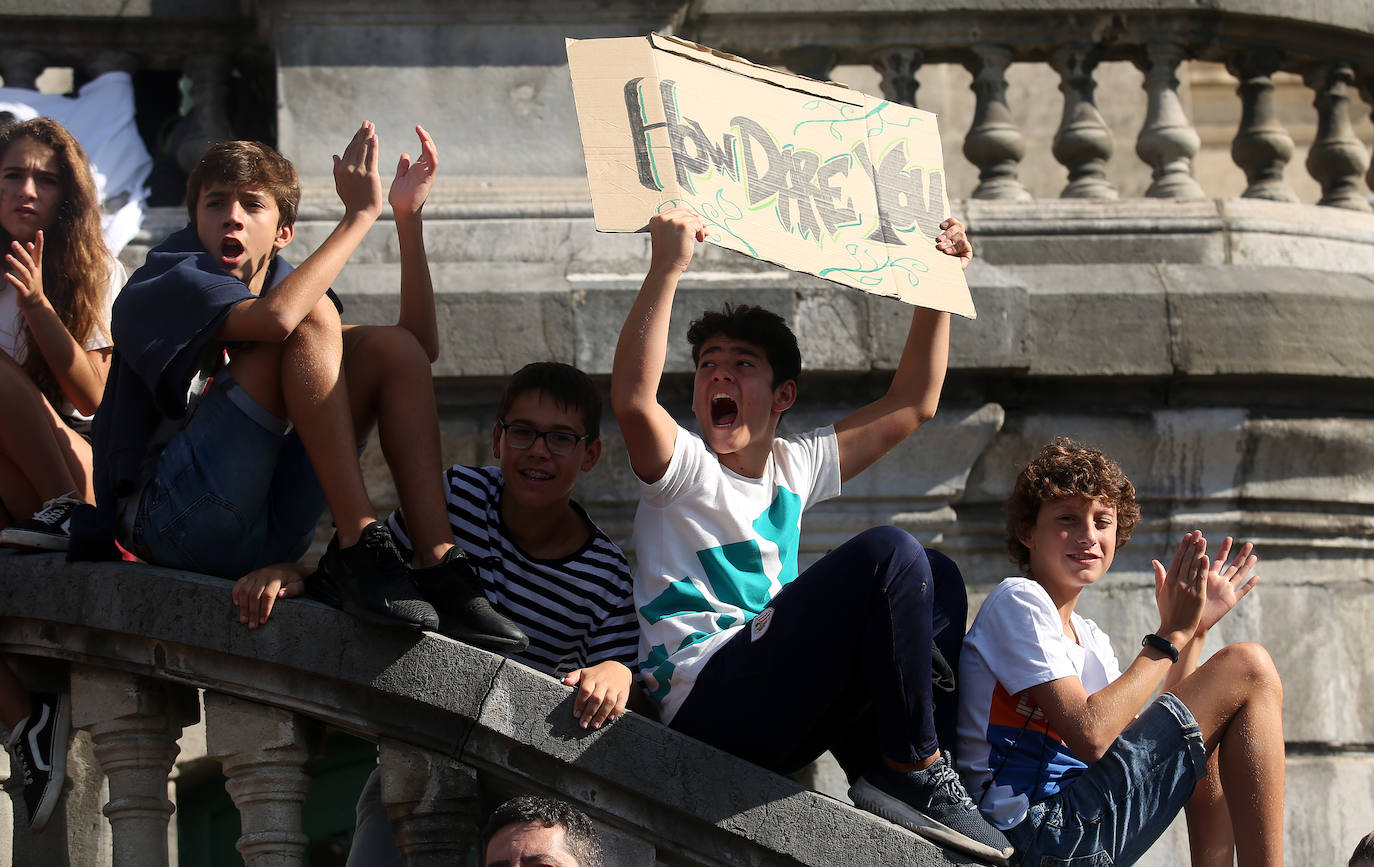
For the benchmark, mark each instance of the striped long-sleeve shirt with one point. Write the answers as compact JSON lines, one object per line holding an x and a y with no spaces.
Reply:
{"x":577,"y":611}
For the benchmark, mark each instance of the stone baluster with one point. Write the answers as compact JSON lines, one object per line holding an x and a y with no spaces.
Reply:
{"x":434,"y":802}
{"x":21,"y":67}
{"x":263,"y":751}
{"x":1336,"y":159}
{"x":1262,"y":146}
{"x":111,"y":61}
{"x":1167,"y":141}
{"x":1083,"y":143}
{"x":134,"y":723}
{"x":1367,"y":93}
{"x":208,"y":122}
{"x":993,"y":143}
{"x":813,"y":61}
{"x":898,"y":64}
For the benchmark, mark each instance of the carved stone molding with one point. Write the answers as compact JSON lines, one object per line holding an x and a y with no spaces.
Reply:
{"x":134,"y":723}
{"x":898,"y":64}
{"x":994,"y":144}
{"x":1167,"y":140}
{"x":263,"y":751}
{"x":434,"y":801}
{"x":1336,"y":159}
{"x":1262,"y":147}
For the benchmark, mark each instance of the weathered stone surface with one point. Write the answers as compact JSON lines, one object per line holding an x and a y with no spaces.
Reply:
{"x":453,"y":700}
{"x":1261,"y":320}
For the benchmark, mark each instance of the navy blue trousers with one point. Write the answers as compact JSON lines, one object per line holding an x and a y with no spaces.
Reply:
{"x":844,"y":664}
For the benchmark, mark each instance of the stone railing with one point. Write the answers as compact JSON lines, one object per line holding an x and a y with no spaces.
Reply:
{"x":1330,"y":43}
{"x":136,"y":643}
{"x":207,"y":55}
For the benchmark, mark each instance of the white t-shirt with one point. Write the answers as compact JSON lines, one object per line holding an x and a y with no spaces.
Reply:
{"x":12,"y":328}
{"x":1009,"y":756}
{"x":714,"y":547}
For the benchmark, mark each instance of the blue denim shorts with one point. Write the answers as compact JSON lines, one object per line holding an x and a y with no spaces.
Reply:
{"x":1115,"y":811}
{"x":233,"y":491}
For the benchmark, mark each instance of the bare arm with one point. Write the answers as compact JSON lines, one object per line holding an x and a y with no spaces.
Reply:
{"x":80,"y":372}
{"x":649,"y":430}
{"x":1090,"y":724}
{"x":272,"y":318}
{"x":912,"y":398}
{"x":408,"y":193}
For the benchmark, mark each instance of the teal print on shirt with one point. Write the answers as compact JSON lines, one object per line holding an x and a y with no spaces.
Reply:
{"x":735,"y":571}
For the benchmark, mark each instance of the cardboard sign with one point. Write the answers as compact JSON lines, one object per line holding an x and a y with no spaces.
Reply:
{"x":807,"y":174}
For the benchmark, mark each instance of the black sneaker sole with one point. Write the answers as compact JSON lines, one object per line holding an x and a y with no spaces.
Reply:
{"x":33,"y":540}
{"x":872,"y":799}
{"x":482,"y":640}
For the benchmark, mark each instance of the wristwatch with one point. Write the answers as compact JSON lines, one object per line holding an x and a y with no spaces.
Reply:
{"x":1163,"y":645}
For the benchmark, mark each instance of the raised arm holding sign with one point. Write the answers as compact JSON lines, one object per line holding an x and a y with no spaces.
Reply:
{"x":810,"y":175}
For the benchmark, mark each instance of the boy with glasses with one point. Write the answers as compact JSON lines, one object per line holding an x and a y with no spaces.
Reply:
{"x":541,"y":561}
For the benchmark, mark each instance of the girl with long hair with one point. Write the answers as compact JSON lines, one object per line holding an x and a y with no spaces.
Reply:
{"x":58,"y":284}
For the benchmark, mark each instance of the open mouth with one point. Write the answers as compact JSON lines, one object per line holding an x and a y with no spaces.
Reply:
{"x":230,"y":249}
{"x":536,"y":475}
{"x":724,"y":410}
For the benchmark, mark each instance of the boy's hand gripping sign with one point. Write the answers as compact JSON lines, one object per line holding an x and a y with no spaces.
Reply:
{"x":808,"y":174}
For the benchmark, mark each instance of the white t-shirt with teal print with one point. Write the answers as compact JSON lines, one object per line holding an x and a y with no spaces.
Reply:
{"x":714,"y":547}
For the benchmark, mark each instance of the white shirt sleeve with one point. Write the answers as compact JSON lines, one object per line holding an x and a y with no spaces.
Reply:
{"x":1032,"y":648}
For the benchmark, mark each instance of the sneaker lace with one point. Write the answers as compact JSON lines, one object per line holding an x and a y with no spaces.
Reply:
{"x":56,"y":508}
{"x":18,"y":757}
{"x":947,"y":783}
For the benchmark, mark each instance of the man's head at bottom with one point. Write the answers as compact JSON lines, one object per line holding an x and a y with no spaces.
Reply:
{"x":533,"y":831}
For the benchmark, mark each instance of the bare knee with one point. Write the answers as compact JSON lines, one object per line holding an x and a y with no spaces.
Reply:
{"x":321,"y":323}
{"x":387,"y":348}
{"x":1252,"y":663}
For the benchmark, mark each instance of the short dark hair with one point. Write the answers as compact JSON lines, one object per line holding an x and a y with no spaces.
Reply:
{"x":248,"y":164}
{"x":1065,"y":469}
{"x":763,"y":328}
{"x":569,"y":387}
{"x":579,"y":834}
{"x":1364,"y":852}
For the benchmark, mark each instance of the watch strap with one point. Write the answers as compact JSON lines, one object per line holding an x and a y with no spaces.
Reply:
{"x":1163,"y":645}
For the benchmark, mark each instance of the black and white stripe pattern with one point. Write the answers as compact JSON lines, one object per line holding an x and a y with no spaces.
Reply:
{"x":577,"y":611}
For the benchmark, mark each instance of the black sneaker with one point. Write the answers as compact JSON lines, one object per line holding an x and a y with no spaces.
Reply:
{"x":932,"y":803}
{"x":455,"y":589}
{"x":48,"y":530}
{"x":370,"y":581}
{"x":38,"y":753}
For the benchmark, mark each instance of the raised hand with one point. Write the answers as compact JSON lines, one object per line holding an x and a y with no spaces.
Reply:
{"x":25,"y":272}
{"x":953,"y":241}
{"x":355,"y":173}
{"x":674,"y":235}
{"x":414,"y":180}
{"x":1181,"y":590}
{"x":1227,"y":583}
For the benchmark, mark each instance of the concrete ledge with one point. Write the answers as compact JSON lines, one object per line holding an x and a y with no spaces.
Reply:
{"x":697,"y":804}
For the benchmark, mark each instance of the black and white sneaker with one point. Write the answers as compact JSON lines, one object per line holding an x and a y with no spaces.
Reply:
{"x":371,"y":581}
{"x":48,"y":530}
{"x":934,"y":804}
{"x":38,"y":753}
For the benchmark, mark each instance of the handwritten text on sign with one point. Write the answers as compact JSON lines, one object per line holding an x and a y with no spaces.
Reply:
{"x":807,"y":174}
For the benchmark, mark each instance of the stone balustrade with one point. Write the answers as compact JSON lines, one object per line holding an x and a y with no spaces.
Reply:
{"x":135,"y":643}
{"x":1218,"y":346}
{"x":1329,"y":43}
{"x":293,"y":46}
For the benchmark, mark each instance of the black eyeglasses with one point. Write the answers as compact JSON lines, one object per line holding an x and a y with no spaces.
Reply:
{"x":522,"y":436}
